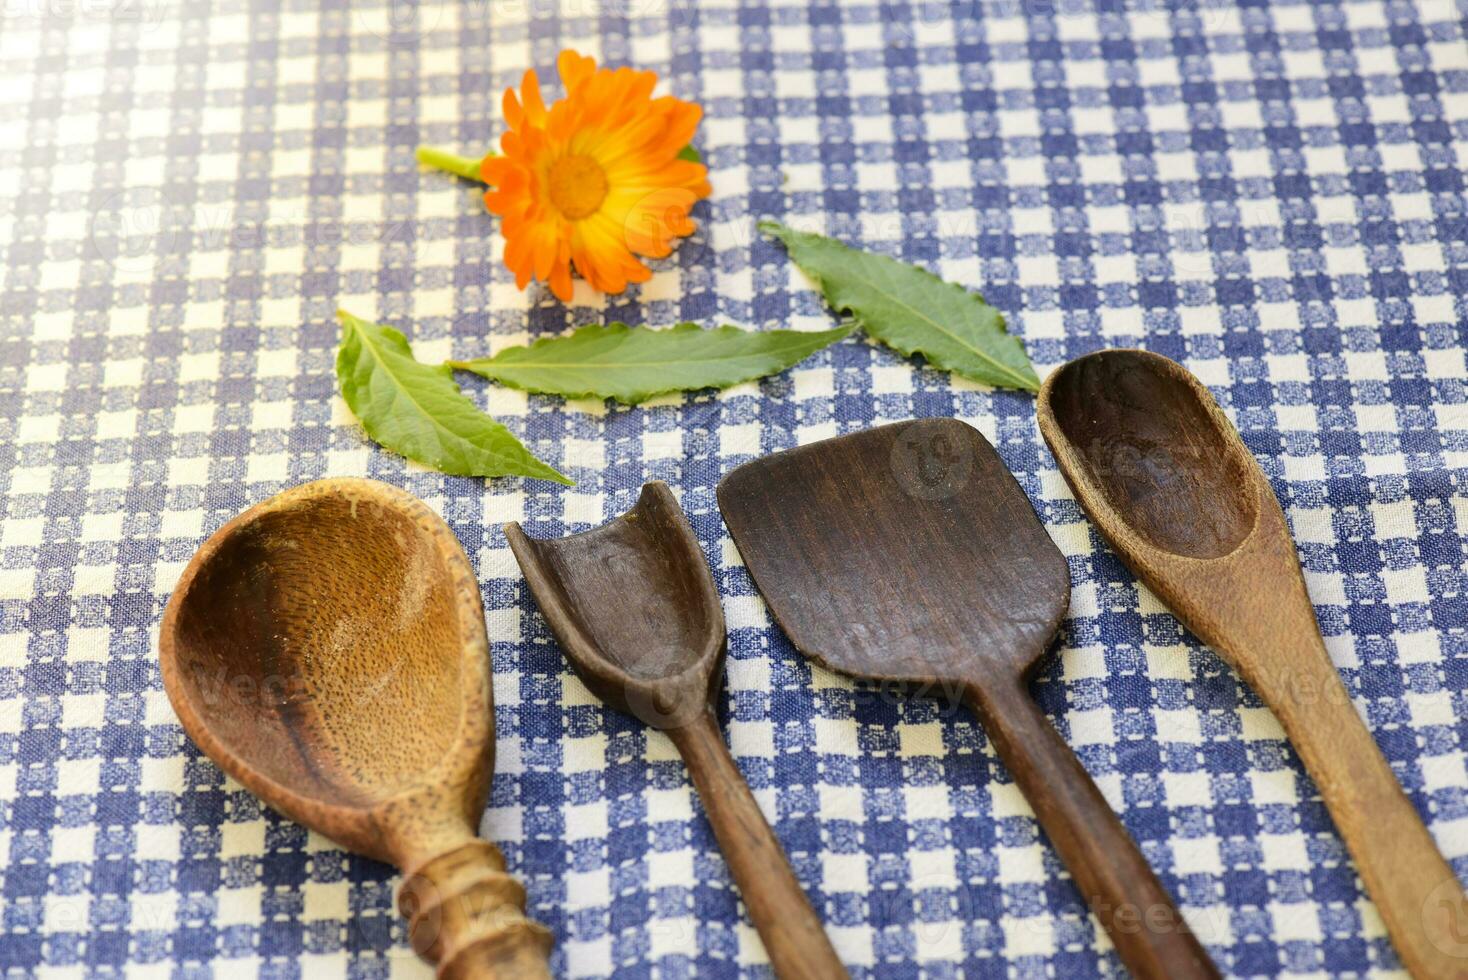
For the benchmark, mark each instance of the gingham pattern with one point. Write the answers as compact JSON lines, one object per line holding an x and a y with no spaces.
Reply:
{"x":1272,"y":193}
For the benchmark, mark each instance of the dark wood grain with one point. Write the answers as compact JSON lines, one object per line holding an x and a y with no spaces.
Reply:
{"x":326,"y":648}
{"x":1164,"y":475}
{"x":636,"y":612}
{"x":908,"y":553}
{"x":1152,"y":448}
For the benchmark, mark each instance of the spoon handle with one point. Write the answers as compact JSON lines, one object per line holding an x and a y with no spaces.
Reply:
{"x":467,"y":914}
{"x":1151,"y":936}
{"x":1416,"y":892}
{"x":1254,"y":609}
{"x":793,"y":936}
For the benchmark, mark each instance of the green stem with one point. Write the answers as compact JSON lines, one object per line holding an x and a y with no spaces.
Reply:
{"x":466,"y":167}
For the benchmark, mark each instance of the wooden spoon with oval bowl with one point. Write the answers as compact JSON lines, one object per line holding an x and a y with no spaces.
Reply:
{"x":634,"y":608}
{"x":1163,"y":474}
{"x":326,"y":648}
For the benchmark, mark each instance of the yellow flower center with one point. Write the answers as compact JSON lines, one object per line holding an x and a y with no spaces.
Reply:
{"x":578,"y":185}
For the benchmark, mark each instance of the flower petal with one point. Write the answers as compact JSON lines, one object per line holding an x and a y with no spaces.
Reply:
{"x":610,"y":118}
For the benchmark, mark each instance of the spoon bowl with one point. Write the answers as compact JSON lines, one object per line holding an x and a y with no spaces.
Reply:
{"x":326,"y":648}
{"x":295,"y":630}
{"x":634,"y":607}
{"x":1157,"y":451}
{"x":1166,"y":478}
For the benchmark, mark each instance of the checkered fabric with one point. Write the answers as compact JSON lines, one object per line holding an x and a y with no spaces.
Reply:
{"x":1272,"y":193}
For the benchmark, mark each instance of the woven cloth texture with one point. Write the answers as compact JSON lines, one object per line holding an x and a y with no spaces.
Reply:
{"x":1271,"y":193}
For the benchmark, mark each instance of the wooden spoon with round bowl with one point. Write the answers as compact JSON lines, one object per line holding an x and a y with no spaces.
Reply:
{"x":326,"y":648}
{"x":1164,"y":475}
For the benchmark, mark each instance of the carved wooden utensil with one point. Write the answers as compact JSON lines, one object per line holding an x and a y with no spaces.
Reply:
{"x":635,"y":609}
{"x":909,"y":554}
{"x":1163,"y":474}
{"x":326,"y":648}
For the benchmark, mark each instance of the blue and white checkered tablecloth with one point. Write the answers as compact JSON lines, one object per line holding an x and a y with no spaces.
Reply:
{"x":1272,"y":193}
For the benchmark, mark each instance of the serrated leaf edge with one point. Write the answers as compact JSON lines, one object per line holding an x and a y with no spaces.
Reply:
{"x":780,"y":231}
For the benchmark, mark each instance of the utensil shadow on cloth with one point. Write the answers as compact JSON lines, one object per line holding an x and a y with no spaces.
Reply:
{"x":634,"y":608}
{"x":326,"y":648}
{"x":908,"y":553}
{"x":1166,"y":478}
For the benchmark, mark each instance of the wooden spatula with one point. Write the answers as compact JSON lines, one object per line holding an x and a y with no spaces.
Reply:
{"x":635,"y":610}
{"x":909,"y":554}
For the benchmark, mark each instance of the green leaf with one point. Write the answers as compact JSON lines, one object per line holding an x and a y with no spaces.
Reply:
{"x":632,"y":364}
{"x":417,"y":409}
{"x":912,"y":310}
{"x":689,"y":153}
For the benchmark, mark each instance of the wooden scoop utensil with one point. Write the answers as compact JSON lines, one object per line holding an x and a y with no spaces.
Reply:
{"x":634,"y":608}
{"x":909,"y":554}
{"x":1163,"y":474}
{"x":326,"y":648}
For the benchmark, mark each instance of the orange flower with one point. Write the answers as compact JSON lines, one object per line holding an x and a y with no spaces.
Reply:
{"x":595,"y":180}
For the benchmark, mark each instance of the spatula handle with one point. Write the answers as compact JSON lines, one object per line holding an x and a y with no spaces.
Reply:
{"x":1416,"y":892}
{"x":1150,"y":934}
{"x":793,"y":936}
